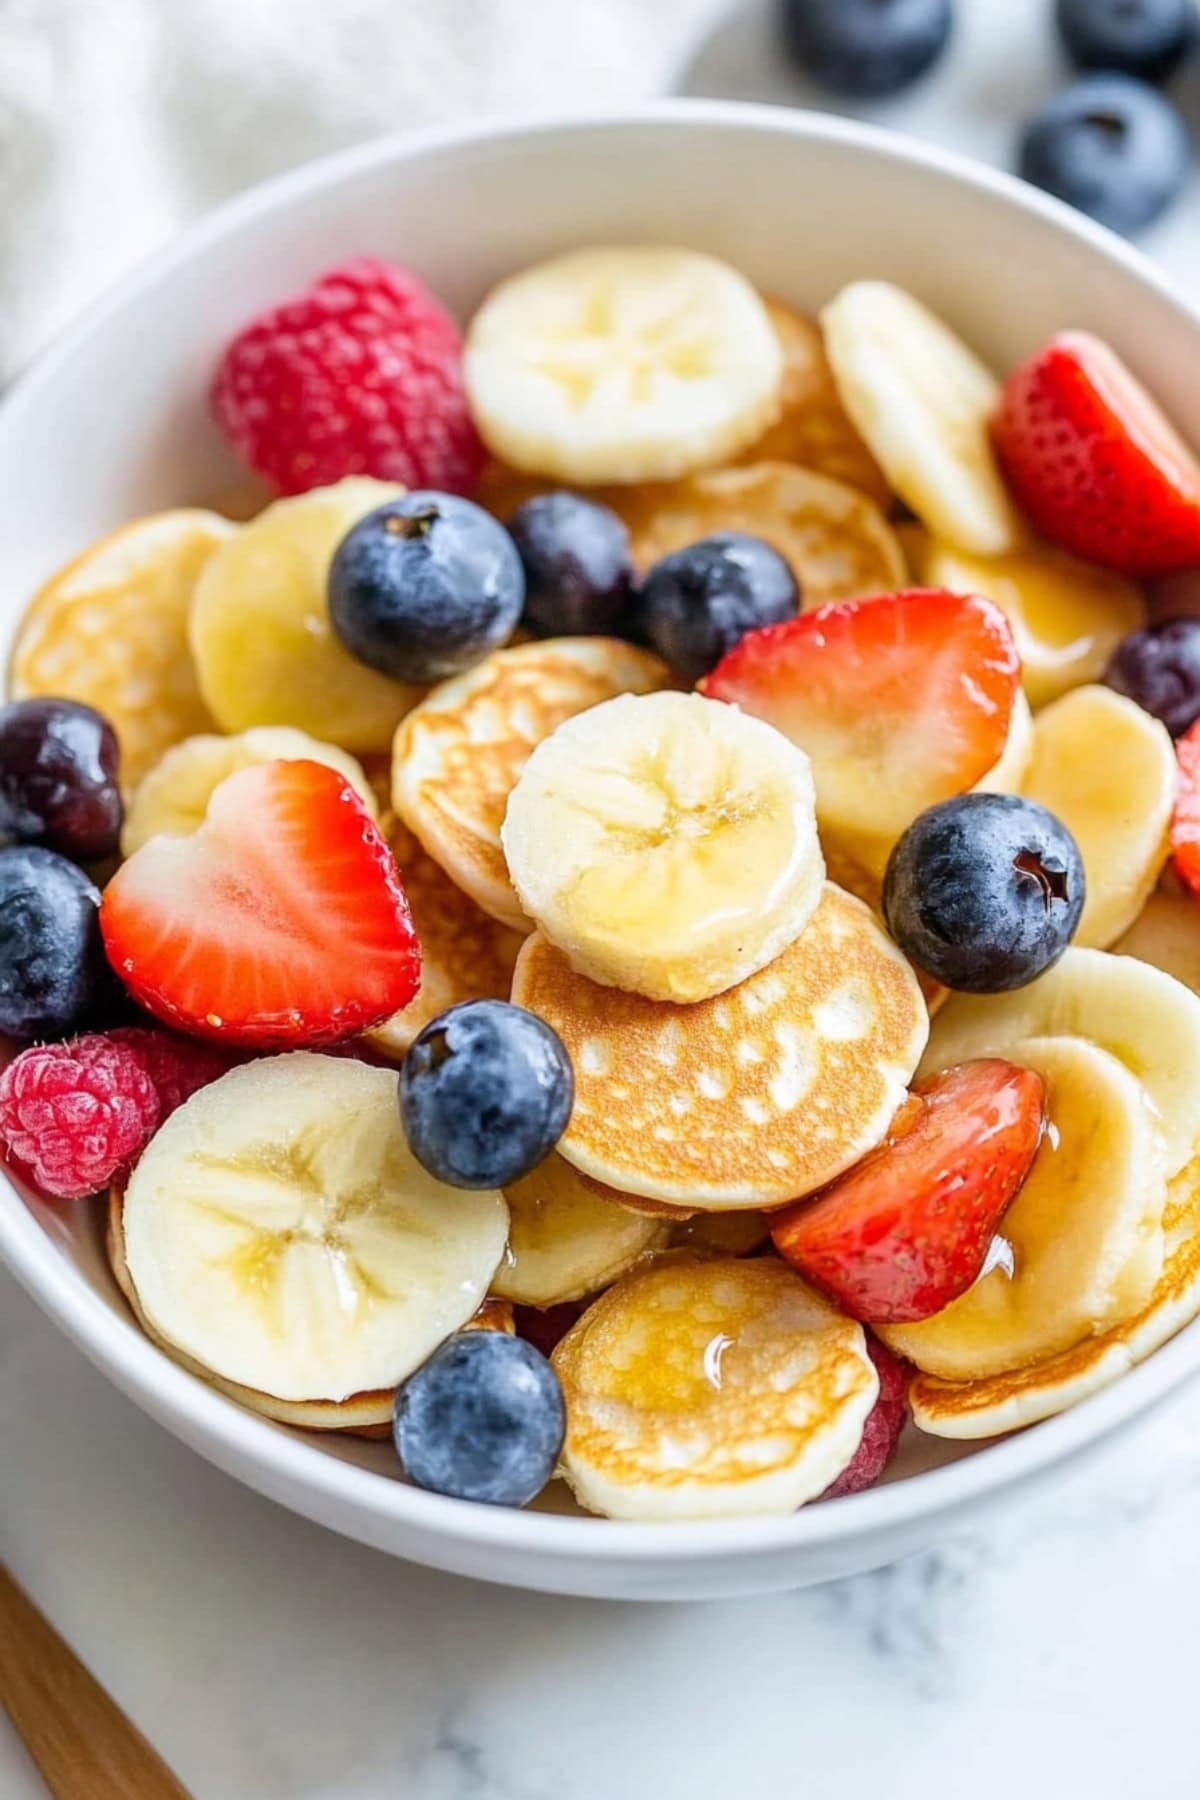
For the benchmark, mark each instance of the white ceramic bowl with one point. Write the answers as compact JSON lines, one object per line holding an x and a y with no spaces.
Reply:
{"x":112,"y":423}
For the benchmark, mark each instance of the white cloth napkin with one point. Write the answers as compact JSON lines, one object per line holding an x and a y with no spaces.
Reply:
{"x":120,"y":119}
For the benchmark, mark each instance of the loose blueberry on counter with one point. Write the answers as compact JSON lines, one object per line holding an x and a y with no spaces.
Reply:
{"x":425,"y":586}
{"x":578,"y":569}
{"x":1159,"y":667}
{"x":984,"y":892}
{"x":697,"y":603}
{"x":1147,"y":38}
{"x":58,"y":778}
{"x":486,"y":1091}
{"x":1111,"y":146}
{"x":483,"y":1419}
{"x":53,"y":971}
{"x":866,"y":48}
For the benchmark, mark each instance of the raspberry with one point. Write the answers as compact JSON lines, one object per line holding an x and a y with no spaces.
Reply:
{"x":77,"y":1113}
{"x":177,"y":1066}
{"x":881,"y":1433}
{"x":361,"y":374}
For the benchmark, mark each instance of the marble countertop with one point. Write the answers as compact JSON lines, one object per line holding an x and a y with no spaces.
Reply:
{"x":1052,"y":1654}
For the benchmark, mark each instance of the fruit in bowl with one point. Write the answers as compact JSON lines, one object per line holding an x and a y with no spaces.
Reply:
{"x":625,"y":882}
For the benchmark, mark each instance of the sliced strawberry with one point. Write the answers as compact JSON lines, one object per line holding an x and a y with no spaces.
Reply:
{"x":1095,"y":462}
{"x":881,"y":1433}
{"x":1185,"y":825}
{"x":281,"y":923}
{"x":906,"y":1231}
{"x":901,"y":700}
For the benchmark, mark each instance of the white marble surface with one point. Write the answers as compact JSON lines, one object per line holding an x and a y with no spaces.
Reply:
{"x":1051,"y":1655}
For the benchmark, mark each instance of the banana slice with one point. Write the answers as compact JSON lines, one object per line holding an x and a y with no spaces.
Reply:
{"x":173,"y":797}
{"x":565,"y":1241}
{"x":710,"y":1390}
{"x":458,"y":756}
{"x":667,"y":843}
{"x":923,"y":402}
{"x":260,"y":633}
{"x":623,"y":363}
{"x":1166,"y":933}
{"x":1085,"y":1231}
{"x":999,"y":1403}
{"x":1067,"y":616}
{"x":1107,"y":769}
{"x":1007,"y":776}
{"x":279,"y":1233}
{"x":110,"y":629}
{"x":1148,"y":1021}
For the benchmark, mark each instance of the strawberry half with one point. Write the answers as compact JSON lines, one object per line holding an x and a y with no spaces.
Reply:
{"x":900,"y":700}
{"x":281,"y":923}
{"x":1095,"y":462}
{"x":906,"y":1231}
{"x":1185,"y":823}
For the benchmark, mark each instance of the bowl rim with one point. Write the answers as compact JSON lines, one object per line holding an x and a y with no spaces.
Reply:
{"x":272,"y":1459}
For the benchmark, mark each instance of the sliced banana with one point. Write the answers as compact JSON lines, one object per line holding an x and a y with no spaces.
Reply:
{"x":709,"y":1390}
{"x":667,"y":843}
{"x":623,"y":363}
{"x":1067,"y":616}
{"x":923,"y":402}
{"x":279,"y":1232}
{"x":264,"y":648}
{"x":565,"y":1241}
{"x":1166,"y":933}
{"x":1146,"y":1020}
{"x":1107,"y":770}
{"x":1007,"y":775}
{"x":1084,"y":1233}
{"x":111,"y":629}
{"x":173,"y":797}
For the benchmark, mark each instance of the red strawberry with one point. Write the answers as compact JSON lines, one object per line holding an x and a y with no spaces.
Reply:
{"x":281,"y":923}
{"x":906,"y":1231}
{"x":1095,"y":462}
{"x":901,"y":700}
{"x":881,"y":1433}
{"x":1185,"y":825}
{"x":360,"y":374}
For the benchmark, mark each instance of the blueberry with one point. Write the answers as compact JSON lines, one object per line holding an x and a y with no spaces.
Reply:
{"x":1111,"y":146}
{"x":483,"y":1419}
{"x":58,"y":778}
{"x":1147,"y":38}
{"x":486,"y":1091}
{"x":424,"y":586}
{"x":698,"y":603}
{"x":866,"y":48}
{"x":1159,"y":667}
{"x":578,"y":570}
{"x":52,"y":967}
{"x":984,"y":892}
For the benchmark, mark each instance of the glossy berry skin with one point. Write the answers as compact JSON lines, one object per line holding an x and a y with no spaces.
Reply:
{"x":866,"y":48}
{"x":1159,"y":667}
{"x":486,"y":1091}
{"x":425,"y":586}
{"x":77,"y":1115}
{"x":53,"y":972}
{"x":984,"y":892}
{"x":578,"y":569}
{"x":1146,"y":38}
{"x":881,"y":1433}
{"x":58,"y":778}
{"x":697,"y":603}
{"x":1111,"y":146}
{"x":1185,"y":822}
{"x":483,"y":1419}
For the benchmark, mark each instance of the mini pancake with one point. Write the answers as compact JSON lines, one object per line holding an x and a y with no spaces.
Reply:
{"x":111,"y":629}
{"x":1166,"y":933}
{"x":1003,"y":1403}
{"x":814,"y":428}
{"x":710,"y":1388}
{"x":465,"y":953}
{"x":458,"y":755}
{"x":754,"y":1097}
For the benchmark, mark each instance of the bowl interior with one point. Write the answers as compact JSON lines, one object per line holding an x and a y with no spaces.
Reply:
{"x":113,"y":422}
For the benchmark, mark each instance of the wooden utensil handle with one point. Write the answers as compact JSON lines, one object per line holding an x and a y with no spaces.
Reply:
{"x":81,"y":1741}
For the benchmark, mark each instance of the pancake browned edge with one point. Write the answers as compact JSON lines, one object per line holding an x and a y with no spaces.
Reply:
{"x":1003,"y":1403}
{"x":365,"y":1415}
